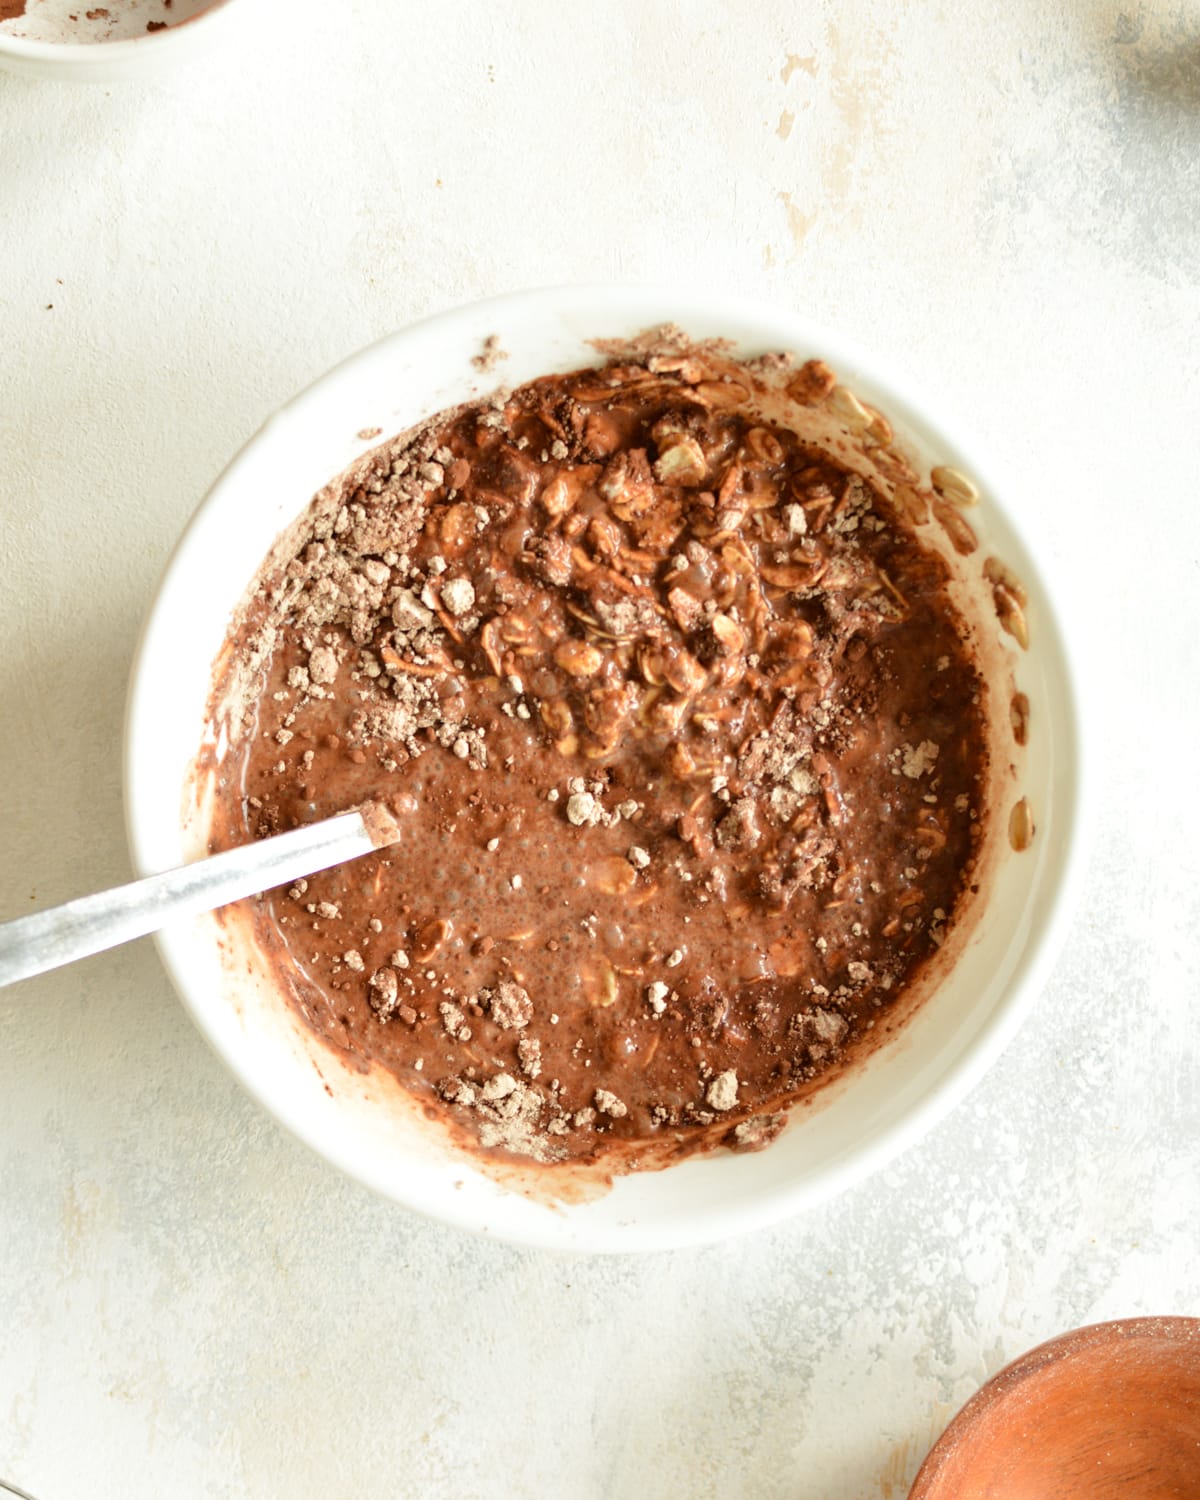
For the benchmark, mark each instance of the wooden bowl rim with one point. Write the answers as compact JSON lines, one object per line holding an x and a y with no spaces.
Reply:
{"x":1178,"y":1332}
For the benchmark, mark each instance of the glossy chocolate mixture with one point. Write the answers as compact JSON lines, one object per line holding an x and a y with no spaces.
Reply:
{"x":687,"y":736}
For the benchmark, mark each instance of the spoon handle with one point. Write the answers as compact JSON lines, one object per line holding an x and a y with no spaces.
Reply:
{"x":47,"y":939}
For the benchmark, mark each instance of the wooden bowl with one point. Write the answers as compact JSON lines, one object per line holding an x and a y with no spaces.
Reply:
{"x":1110,"y":1412}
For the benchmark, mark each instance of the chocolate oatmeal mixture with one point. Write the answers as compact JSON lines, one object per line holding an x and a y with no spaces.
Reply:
{"x":686,"y":733}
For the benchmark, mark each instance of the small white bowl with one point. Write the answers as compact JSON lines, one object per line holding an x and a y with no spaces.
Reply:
{"x":363,"y":1123}
{"x":47,"y":43}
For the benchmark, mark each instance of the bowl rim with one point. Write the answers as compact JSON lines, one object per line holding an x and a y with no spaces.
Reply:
{"x":65,"y":55}
{"x":1173,"y":1329}
{"x":964,"y":1072}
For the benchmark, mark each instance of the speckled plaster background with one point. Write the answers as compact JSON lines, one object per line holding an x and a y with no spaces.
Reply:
{"x":1003,"y":200}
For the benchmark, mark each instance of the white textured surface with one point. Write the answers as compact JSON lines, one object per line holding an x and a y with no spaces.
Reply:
{"x":1004,"y":203}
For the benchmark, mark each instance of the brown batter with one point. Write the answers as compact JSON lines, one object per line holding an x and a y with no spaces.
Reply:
{"x":687,"y":734}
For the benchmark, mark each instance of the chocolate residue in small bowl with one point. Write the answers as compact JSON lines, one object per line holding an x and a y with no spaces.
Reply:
{"x":67,"y":22}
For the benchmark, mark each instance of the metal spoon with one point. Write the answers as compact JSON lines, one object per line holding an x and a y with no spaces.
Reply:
{"x":11,"y":1489}
{"x":48,"y":939}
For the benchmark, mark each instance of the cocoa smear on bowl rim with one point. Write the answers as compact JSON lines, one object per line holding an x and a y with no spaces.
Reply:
{"x":63,"y":22}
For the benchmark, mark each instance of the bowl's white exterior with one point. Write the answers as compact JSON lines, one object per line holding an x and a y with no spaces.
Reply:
{"x":120,"y":61}
{"x":857,"y":1125}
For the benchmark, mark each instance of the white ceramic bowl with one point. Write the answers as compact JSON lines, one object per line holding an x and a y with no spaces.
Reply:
{"x":363,"y":1124}
{"x":47,"y":43}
